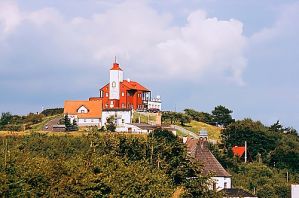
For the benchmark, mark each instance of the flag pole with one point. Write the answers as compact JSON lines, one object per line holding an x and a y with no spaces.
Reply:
{"x":245,"y":151}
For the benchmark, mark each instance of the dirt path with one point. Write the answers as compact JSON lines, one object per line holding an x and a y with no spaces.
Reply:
{"x":49,"y":125}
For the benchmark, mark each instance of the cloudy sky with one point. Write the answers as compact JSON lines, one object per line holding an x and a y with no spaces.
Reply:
{"x":195,"y":53}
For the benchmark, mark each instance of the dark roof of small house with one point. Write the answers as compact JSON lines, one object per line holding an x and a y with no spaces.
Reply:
{"x":59,"y":126}
{"x":199,"y":150}
{"x":236,"y":192}
{"x":145,"y":126}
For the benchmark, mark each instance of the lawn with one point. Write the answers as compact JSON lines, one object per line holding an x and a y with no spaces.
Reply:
{"x":213,"y":131}
{"x":144,"y":117}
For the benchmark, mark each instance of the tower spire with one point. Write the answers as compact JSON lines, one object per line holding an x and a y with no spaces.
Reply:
{"x":114,"y":59}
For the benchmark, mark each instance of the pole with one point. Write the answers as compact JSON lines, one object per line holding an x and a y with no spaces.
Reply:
{"x":245,"y":151}
{"x":287,"y":176}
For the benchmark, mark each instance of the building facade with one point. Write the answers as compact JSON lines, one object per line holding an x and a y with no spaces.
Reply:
{"x":86,"y":113}
{"x":125,"y":94}
{"x":198,"y":150}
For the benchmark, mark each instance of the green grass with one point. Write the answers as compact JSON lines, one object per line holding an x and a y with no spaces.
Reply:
{"x":213,"y":131}
{"x":143,"y":118}
{"x":39,"y":126}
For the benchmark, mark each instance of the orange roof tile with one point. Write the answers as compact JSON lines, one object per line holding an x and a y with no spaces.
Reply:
{"x":94,"y":108}
{"x":115,"y":66}
{"x":134,"y":85}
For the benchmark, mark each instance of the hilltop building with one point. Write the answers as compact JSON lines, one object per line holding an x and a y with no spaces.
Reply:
{"x":126,"y":94}
{"x":86,"y":113}
{"x":119,"y":98}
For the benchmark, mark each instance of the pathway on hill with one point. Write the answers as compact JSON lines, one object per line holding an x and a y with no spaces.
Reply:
{"x":50,"y":124}
{"x":185,"y":131}
{"x":190,"y":133}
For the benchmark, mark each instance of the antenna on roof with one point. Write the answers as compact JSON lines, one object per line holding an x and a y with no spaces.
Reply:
{"x":114,"y":59}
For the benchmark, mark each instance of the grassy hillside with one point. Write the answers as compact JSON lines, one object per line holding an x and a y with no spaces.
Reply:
{"x":213,"y":131}
{"x":144,"y":117}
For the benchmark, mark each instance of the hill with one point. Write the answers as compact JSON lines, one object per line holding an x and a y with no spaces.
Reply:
{"x":213,"y":131}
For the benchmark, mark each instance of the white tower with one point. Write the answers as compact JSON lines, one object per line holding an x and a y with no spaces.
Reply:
{"x":116,"y":76}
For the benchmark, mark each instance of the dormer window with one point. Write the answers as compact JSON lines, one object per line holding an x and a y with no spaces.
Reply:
{"x":82,"y":109}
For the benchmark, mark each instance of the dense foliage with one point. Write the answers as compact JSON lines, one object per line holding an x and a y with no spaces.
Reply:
{"x":273,"y":157}
{"x":9,"y":122}
{"x":222,"y":116}
{"x":175,"y":118}
{"x":98,"y":165}
{"x":219,"y":116}
{"x":52,"y":112}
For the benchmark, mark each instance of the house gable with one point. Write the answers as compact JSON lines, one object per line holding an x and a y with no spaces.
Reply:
{"x":82,"y":109}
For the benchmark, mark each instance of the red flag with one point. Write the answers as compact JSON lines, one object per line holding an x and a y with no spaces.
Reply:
{"x":238,"y":150}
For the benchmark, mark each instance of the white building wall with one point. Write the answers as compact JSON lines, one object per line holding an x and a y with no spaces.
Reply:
{"x":85,"y":122}
{"x":115,"y":76}
{"x":154,"y":105}
{"x":222,"y":182}
{"x":121,"y":117}
{"x":82,"y":109}
{"x":295,"y":191}
{"x":89,"y":122}
{"x":133,"y":129}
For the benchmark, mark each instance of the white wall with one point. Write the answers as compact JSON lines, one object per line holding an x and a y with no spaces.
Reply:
{"x":134,"y":129}
{"x":115,"y":76}
{"x":220,"y":181}
{"x":85,"y":122}
{"x":121,"y":117}
{"x":154,"y":105}
{"x":82,"y":109}
{"x":89,"y":122}
{"x":295,"y":191}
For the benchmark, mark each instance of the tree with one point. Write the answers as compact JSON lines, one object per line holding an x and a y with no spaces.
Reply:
{"x":258,"y":138}
{"x":110,"y":124}
{"x":184,"y":118}
{"x":199,"y":116}
{"x":5,"y":119}
{"x":222,"y":115}
{"x":75,"y":125}
{"x":67,"y":123}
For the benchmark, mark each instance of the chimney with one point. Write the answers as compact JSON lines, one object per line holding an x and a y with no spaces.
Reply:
{"x":203,"y":138}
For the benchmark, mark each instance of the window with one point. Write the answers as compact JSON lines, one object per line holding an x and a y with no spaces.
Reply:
{"x":111,"y":102}
{"x":107,"y":94}
{"x":122,"y":94}
{"x":82,"y":111}
{"x":123,"y":105}
{"x":91,"y":120}
{"x":214,"y":186}
{"x":123,"y":121}
{"x":225,"y":184}
{"x":84,"y":120}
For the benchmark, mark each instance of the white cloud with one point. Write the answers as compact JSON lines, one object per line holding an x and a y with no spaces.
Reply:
{"x":10,"y":17}
{"x":147,"y":41}
{"x":286,"y":26}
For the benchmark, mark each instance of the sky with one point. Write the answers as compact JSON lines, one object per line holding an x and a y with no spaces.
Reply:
{"x":193,"y":53}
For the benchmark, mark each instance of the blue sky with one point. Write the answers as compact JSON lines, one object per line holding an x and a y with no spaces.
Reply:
{"x":195,"y":54}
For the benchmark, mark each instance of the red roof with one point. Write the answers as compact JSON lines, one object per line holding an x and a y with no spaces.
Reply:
{"x":94,"y":108}
{"x":238,"y":150}
{"x":134,"y":85}
{"x":116,"y":67}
